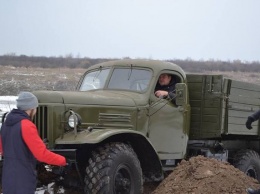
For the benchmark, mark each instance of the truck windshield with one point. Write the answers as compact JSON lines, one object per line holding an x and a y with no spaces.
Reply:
{"x":130,"y":79}
{"x":94,"y":80}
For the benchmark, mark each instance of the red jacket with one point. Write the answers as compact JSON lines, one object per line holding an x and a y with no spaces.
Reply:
{"x":36,"y":145}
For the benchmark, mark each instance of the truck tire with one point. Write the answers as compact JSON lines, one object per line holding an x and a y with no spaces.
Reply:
{"x":248,"y":161}
{"x":114,"y":168}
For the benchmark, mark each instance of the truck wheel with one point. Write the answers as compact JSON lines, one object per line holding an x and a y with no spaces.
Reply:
{"x":248,"y":161}
{"x":114,"y":168}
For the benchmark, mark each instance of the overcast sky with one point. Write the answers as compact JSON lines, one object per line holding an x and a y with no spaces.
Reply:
{"x":156,"y":29}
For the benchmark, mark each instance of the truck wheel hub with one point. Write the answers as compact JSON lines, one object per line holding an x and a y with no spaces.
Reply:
{"x":123,"y":180}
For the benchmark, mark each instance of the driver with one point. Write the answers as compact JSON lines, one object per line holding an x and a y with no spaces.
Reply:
{"x":165,"y":87}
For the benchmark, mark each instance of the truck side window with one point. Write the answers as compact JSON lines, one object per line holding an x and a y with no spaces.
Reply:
{"x":165,"y":87}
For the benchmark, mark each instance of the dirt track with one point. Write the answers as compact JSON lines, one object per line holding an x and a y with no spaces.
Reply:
{"x":199,"y":175}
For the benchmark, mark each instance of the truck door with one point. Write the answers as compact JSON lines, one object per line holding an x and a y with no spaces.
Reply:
{"x":167,"y":130}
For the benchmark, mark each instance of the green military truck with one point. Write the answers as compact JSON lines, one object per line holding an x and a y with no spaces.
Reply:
{"x":120,"y":135}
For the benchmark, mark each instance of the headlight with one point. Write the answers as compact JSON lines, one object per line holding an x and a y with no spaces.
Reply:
{"x":74,"y":120}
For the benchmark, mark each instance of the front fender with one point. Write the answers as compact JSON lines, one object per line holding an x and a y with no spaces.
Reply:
{"x":148,"y":157}
{"x":93,"y":137}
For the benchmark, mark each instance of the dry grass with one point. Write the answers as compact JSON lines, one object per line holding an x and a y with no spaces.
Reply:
{"x":14,"y":80}
{"x":240,"y":76}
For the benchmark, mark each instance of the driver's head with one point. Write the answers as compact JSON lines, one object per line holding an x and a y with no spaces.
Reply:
{"x":165,"y":79}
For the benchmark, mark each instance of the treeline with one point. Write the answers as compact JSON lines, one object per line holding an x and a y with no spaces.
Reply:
{"x":71,"y":62}
{"x":48,"y":62}
{"x":217,"y":65}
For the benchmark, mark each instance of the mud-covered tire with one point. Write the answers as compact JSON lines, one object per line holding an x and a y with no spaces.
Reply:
{"x":248,"y":161}
{"x":114,"y":168}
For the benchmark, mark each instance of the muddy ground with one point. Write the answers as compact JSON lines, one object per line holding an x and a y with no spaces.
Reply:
{"x":199,"y":175}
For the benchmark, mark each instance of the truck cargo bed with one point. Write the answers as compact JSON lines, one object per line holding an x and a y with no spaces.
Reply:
{"x":220,"y":106}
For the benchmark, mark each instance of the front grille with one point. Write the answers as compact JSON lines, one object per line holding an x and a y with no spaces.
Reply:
{"x":41,"y":121}
{"x":115,"y":120}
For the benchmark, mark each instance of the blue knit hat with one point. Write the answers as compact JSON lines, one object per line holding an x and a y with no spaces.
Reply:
{"x":26,"y":101}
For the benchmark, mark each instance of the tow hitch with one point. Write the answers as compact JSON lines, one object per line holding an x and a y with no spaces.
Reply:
{"x":69,"y":170}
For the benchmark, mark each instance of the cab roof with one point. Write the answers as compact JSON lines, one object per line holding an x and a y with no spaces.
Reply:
{"x":156,"y":65}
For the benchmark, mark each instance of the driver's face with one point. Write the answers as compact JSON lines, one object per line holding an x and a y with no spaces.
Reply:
{"x":164,"y":79}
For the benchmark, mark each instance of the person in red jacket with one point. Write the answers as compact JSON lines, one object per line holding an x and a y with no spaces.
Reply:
{"x":21,"y":147}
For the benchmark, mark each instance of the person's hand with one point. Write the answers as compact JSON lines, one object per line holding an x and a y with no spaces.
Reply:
{"x":252,"y":191}
{"x":249,"y":122}
{"x":161,"y":93}
{"x":68,"y":162}
{"x":45,"y":141}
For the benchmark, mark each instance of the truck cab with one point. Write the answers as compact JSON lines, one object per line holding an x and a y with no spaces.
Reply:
{"x":114,"y":107}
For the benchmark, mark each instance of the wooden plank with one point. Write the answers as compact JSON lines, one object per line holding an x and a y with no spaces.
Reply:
{"x":211,"y":111}
{"x":246,"y":86}
{"x":244,"y":100}
{"x":244,"y":92}
{"x":208,"y":126}
{"x":237,"y":121}
{"x":196,"y":87}
{"x":195,"y":95}
{"x":242,"y":107}
{"x":205,"y":135}
{"x":213,"y":83}
{"x":210,"y":118}
{"x":205,"y":130}
{"x":239,"y":129}
{"x":239,"y":114}
{"x":195,"y":103}
{"x":195,"y":118}
{"x":195,"y":110}
{"x":212,"y":103}
{"x":194,"y":78}
{"x":205,"y":105}
{"x":196,"y":125}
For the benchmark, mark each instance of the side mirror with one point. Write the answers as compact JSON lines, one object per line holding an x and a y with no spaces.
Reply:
{"x":181,"y":94}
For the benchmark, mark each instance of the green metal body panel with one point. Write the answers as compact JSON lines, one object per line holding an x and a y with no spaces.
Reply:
{"x":93,"y":137}
{"x":243,"y":100}
{"x":166,"y":130}
{"x":220,"y":106}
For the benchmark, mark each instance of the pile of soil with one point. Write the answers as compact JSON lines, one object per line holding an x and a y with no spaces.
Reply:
{"x":205,"y":175}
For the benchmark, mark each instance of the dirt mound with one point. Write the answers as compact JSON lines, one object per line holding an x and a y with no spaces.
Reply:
{"x":205,"y":175}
